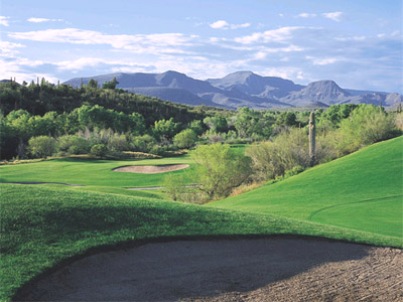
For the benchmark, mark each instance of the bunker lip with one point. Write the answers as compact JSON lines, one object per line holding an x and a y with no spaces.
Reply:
{"x":151,"y":169}
{"x":220,"y":269}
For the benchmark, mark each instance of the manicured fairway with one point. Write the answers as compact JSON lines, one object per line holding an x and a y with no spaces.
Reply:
{"x":362,"y":191}
{"x":93,"y":175}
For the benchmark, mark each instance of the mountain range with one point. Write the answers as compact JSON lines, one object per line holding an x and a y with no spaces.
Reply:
{"x":239,"y":89}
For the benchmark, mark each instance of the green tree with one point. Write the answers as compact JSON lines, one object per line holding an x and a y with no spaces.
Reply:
{"x":216,"y":123}
{"x":144,"y":143}
{"x":110,"y":84}
{"x":93,"y":84}
{"x":164,"y":130}
{"x":197,"y":126}
{"x":73,"y":144}
{"x":220,"y":169}
{"x":287,"y":119}
{"x":273,"y":159}
{"x":367,"y":124}
{"x":41,"y":146}
{"x":185,"y":139}
{"x":99,"y":150}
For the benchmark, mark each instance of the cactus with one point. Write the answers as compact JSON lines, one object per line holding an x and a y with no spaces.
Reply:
{"x":312,"y":137}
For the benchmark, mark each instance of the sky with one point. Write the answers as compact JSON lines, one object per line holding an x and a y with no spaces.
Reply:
{"x":358,"y":44}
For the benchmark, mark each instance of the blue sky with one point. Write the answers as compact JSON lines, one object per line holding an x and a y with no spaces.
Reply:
{"x":356,"y":43}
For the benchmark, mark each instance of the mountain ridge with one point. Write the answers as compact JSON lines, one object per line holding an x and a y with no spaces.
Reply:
{"x":239,"y":89}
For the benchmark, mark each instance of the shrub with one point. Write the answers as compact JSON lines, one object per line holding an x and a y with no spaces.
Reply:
{"x":221,"y":169}
{"x":185,"y":139}
{"x":99,"y":150}
{"x":272,"y":159}
{"x":73,"y":144}
{"x":143,"y":143}
{"x":367,"y":124}
{"x":41,"y":146}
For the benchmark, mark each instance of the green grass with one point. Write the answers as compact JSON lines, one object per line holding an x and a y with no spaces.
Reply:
{"x":95,"y":175}
{"x":357,"y":198}
{"x":41,"y":226}
{"x":362,"y":191}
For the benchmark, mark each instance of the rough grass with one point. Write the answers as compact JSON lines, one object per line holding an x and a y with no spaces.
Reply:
{"x":362,"y":191}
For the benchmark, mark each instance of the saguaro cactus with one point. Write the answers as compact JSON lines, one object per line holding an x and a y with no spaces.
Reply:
{"x":312,"y":137}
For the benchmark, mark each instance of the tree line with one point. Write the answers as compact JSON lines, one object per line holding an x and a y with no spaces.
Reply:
{"x":42,"y":119}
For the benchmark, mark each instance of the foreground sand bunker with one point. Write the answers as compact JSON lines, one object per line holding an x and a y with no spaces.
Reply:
{"x":271,"y":269}
{"x":151,"y":169}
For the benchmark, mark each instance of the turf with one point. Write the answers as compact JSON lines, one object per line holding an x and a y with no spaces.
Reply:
{"x":41,"y":226}
{"x":95,"y":175}
{"x":361,"y":191}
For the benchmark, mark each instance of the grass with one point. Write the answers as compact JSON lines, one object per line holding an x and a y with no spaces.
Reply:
{"x":357,"y":198}
{"x":95,"y":175}
{"x":362,"y":191}
{"x":42,"y":226}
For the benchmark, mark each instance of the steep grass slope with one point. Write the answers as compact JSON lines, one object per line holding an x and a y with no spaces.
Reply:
{"x":361,"y":191}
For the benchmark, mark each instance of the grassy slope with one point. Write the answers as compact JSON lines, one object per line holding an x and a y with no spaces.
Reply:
{"x":362,"y":191}
{"x":41,"y":226}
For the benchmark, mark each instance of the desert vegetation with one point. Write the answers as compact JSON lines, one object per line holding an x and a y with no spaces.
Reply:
{"x":41,"y":120}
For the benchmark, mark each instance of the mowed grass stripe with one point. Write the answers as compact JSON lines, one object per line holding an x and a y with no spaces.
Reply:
{"x":373,"y":173}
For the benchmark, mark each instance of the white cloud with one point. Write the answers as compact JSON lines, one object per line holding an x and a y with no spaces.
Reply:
{"x":42,"y":20}
{"x":222,"y":24}
{"x":352,"y":38}
{"x":335,"y":16}
{"x":323,"y":61}
{"x":307,"y":15}
{"x":275,"y":35}
{"x":161,"y":43}
{"x":264,"y":52}
{"x":18,"y":69}
{"x":8,"y":49}
{"x":4,"y":21}
{"x":291,"y":73}
{"x":79,"y":64}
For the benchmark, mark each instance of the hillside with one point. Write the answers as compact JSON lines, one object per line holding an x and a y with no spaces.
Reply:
{"x":238,"y":89}
{"x":362,"y":191}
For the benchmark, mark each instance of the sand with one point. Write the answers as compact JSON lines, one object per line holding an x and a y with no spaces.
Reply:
{"x":151,"y":169}
{"x":266,"y":269}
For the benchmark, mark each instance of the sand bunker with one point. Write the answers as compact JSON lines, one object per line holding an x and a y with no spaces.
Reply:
{"x":151,"y":169}
{"x":270,"y":269}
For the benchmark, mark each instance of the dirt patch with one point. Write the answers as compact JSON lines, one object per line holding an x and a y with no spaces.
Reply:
{"x":270,"y":269}
{"x":151,"y":169}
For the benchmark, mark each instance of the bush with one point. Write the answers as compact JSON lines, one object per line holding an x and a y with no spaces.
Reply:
{"x":221,"y":169}
{"x":99,"y":150}
{"x":185,"y":139}
{"x":272,"y":159}
{"x":41,"y":146}
{"x":366,"y":125}
{"x":73,"y":144}
{"x":143,"y":143}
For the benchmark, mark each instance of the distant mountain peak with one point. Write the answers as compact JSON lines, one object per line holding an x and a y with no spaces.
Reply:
{"x":241,"y":88}
{"x":326,"y":88}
